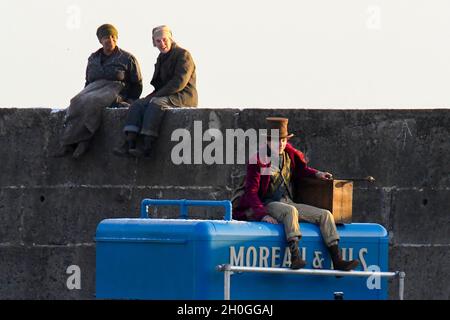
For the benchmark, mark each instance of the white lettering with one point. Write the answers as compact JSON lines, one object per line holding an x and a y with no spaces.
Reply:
{"x":275,"y":256}
{"x":241,"y":137}
{"x":373,"y":282}
{"x":248,"y":309}
{"x":194,"y":310}
{"x":237,"y":260}
{"x":251,"y":256}
{"x":264,"y":257}
{"x":184,"y":146}
{"x":214,"y":153}
{"x":373,"y":21}
{"x":274,"y":145}
{"x":271,"y":257}
{"x":74,"y":281}
{"x":198,"y":142}
{"x":73,"y":21}
{"x":318,"y":260}
{"x":267,"y":311}
{"x":304,"y":253}
{"x":350,"y":254}
{"x":286,"y":258}
{"x":216,"y":147}
{"x":362,"y":252}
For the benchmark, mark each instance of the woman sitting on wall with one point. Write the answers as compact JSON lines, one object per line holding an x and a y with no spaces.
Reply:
{"x":113,"y":79}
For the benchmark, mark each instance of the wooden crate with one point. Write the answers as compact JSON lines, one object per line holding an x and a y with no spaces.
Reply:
{"x":333,"y":195}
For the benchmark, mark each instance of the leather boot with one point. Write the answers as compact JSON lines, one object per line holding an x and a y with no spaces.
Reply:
{"x":338,"y":263}
{"x":121,"y":150}
{"x":296,"y":261}
{"x":129,"y":143}
{"x":148,"y":143}
{"x":64,"y":151}
{"x":129,"y":146}
{"x":131,"y":140}
{"x":81,"y":149}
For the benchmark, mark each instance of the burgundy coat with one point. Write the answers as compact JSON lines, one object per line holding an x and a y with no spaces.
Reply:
{"x":257,"y":185}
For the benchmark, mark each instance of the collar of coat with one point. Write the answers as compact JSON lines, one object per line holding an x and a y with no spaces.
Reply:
{"x":167,"y":55}
{"x":116,"y":51}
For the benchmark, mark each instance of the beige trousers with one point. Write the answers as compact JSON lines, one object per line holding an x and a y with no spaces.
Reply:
{"x":290,"y":214}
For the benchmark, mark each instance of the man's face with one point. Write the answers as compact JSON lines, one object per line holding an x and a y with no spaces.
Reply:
{"x":281,"y":145}
{"x":109,"y":43}
{"x":163,"y":42}
{"x":283,"y":142}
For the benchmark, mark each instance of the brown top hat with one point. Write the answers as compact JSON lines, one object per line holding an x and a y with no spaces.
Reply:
{"x":280,"y":124}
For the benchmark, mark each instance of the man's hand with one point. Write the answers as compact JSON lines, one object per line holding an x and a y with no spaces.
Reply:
{"x":119,"y":99}
{"x":269,"y":219}
{"x":324,"y":175}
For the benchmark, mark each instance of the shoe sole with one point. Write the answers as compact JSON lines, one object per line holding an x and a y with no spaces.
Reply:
{"x":350,"y":267}
{"x":298,"y":267}
{"x":135,"y":153}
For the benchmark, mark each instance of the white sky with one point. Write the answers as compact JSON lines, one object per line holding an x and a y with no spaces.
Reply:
{"x":249,"y":53}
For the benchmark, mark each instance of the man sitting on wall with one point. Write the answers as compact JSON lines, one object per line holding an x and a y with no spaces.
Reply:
{"x":269,"y":197}
{"x":174,"y":80}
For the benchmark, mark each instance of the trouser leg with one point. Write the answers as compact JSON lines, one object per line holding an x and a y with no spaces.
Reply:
{"x":286,"y":214}
{"x":135,"y":115}
{"x":319,"y":216}
{"x":325,"y":219}
{"x":154,"y":116}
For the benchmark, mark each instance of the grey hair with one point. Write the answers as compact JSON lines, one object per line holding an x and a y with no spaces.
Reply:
{"x":161,"y":29}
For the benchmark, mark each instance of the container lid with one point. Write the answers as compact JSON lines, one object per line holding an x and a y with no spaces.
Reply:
{"x":181,"y":230}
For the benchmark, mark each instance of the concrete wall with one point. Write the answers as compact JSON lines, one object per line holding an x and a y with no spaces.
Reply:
{"x":49,"y":208}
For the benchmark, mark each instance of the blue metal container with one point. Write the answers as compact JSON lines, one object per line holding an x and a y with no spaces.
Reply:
{"x":177,"y":258}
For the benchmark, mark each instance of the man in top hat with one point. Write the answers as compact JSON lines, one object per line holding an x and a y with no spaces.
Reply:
{"x":269,"y":197}
{"x":174,"y":80}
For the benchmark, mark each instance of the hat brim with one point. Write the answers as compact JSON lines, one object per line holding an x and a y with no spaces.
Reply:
{"x":287,"y":137}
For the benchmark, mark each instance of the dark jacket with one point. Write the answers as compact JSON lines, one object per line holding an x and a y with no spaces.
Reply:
{"x":119,"y":66}
{"x":175,"y":78}
{"x":257,"y":185}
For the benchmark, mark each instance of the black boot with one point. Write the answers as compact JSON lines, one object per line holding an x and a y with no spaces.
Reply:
{"x":127,"y":145}
{"x":296,"y":261}
{"x":81,"y":149}
{"x":131,"y":140}
{"x":122,"y":150}
{"x":148,"y":144}
{"x":338,"y":263}
{"x":64,"y":151}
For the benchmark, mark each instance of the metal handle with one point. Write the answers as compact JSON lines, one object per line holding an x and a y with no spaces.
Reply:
{"x":184,"y":204}
{"x":368,"y":178}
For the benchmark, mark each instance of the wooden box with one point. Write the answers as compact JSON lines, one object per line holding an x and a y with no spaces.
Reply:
{"x":333,"y":195}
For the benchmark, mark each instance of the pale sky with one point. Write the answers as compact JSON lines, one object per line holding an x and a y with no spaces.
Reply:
{"x":248,"y":53}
